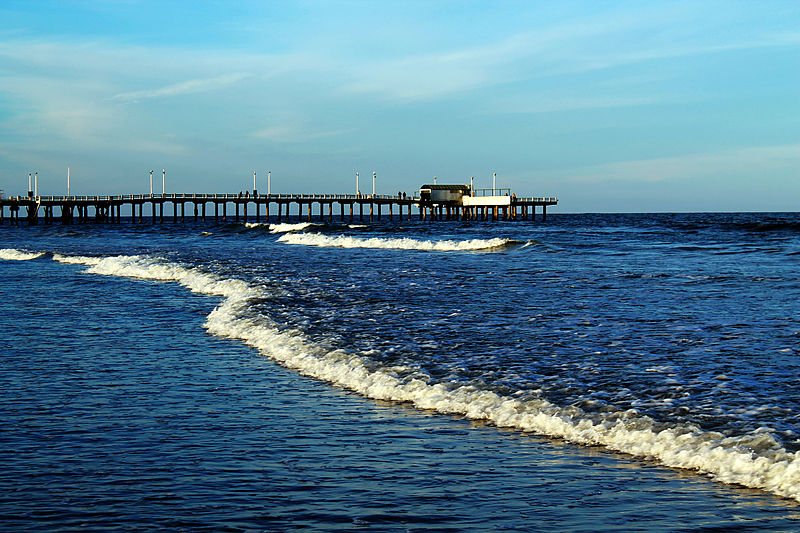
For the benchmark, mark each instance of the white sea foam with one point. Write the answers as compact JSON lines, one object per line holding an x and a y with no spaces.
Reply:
{"x":755,"y":461}
{"x":286,"y":228}
{"x":343,"y":241}
{"x":76,"y":259}
{"x":143,"y":267}
{"x":12,"y":254}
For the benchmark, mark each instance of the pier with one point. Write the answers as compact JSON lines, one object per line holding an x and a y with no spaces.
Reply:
{"x":160,"y":208}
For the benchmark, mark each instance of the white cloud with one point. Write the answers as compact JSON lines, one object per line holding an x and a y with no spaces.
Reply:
{"x":757,"y":162}
{"x":184,"y":87}
{"x":606,"y":42}
{"x":293,"y":133}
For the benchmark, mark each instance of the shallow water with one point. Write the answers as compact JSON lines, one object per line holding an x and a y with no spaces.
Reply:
{"x":670,"y":338}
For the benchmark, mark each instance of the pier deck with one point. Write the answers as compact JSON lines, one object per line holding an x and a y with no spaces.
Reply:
{"x":141,"y":208}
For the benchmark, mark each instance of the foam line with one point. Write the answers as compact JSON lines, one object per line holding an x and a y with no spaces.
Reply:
{"x":142,"y":267}
{"x":342,"y":241}
{"x":726,"y":459}
{"x":12,"y":254}
{"x":286,"y":228}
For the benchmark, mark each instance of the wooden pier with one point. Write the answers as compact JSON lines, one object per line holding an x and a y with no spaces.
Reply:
{"x":159,"y":208}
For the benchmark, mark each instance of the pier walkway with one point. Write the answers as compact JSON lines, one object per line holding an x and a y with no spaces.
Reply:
{"x":147,"y":208}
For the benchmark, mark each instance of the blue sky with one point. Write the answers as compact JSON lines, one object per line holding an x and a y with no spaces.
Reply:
{"x":611,"y":106}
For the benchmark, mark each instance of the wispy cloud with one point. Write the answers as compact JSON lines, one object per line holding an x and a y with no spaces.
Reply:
{"x":293,"y":133}
{"x":185,"y":87}
{"x":552,"y":103}
{"x":578,"y":47}
{"x":755,"y":162}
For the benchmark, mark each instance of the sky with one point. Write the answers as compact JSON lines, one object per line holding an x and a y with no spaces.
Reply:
{"x":610,"y":106}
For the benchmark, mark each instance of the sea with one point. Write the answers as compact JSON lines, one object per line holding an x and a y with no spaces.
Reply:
{"x":590,"y":372}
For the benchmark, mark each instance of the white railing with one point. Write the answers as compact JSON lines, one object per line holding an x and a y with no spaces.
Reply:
{"x":541,"y":200}
{"x":235,"y":197}
{"x":210,"y":197}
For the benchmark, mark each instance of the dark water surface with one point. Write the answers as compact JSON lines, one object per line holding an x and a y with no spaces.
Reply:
{"x":332,"y":377}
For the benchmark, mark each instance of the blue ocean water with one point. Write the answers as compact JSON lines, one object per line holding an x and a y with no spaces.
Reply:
{"x":594,"y":372}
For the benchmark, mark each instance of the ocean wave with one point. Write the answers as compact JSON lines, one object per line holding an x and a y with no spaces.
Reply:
{"x":756,"y":460}
{"x":12,"y":254}
{"x":144,"y":267}
{"x":287,"y":228}
{"x":343,"y":241}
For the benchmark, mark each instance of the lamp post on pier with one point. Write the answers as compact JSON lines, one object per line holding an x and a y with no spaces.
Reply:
{"x":151,"y":184}
{"x":163,"y":181}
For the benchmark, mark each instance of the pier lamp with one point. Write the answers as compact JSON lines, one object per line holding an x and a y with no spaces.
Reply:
{"x":269,"y":182}
{"x":373,"y":185}
{"x":254,"y":183}
{"x":163,"y":181}
{"x":151,"y":183}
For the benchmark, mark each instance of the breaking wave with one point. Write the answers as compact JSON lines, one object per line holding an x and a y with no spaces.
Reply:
{"x":756,"y":460}
{"x":286,"y":228}
{"x":343,"y":241}
{"x":12,"y":254}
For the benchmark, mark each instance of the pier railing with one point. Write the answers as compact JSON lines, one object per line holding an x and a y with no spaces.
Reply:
{"x":236,"y":196}
{"x":211,"y":197}
{"x":103,"y":208}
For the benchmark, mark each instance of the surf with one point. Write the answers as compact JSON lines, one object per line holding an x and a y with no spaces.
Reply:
{"x":12,"y":254}
{"x":344,"y":241}
{"x":756,"y":460}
